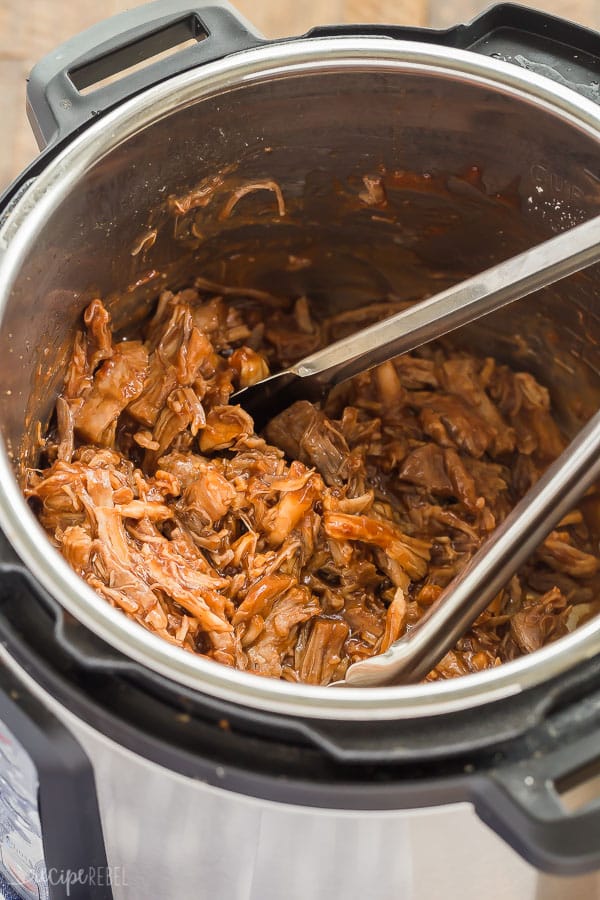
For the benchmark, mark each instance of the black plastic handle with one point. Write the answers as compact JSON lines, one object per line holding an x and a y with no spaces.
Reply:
{"x":547,"y":45}
{"x":61,"y":96}
{"x":523,"y":799}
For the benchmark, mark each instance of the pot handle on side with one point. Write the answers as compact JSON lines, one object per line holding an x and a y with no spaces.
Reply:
{"x":65,"y":89}
{"x":546,"y":45}
{"x":546,"y":804}
{"x":531,"y":39}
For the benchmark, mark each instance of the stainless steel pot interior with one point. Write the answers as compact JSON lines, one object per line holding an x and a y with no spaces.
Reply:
{"x":314,"y":116}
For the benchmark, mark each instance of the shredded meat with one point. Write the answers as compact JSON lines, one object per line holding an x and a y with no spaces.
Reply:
{"x":296,"y":553}
{"x":304,"y":432}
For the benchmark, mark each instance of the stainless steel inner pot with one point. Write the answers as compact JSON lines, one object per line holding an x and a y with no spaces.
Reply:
{"x":315,"y":116}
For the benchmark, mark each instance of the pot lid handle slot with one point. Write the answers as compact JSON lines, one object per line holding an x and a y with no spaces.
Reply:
{"x":126,"y":54}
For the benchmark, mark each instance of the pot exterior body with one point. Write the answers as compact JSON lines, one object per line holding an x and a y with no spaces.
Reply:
{"x":170,"y":837}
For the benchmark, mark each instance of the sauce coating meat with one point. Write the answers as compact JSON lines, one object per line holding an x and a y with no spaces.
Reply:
{"x":296,"y":553}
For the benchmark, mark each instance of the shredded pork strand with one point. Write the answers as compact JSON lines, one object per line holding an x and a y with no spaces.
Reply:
{"x":299,"y":552}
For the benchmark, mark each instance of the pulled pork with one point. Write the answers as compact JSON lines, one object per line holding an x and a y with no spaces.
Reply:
{"x":296,"y":553}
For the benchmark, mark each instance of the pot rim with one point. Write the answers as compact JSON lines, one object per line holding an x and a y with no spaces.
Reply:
{"x":26,"y":218}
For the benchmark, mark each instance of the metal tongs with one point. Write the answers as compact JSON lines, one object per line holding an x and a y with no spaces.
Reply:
{"x":411,"y":657}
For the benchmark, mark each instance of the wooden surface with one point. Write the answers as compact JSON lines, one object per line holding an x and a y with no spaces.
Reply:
{"x":30,"y":30}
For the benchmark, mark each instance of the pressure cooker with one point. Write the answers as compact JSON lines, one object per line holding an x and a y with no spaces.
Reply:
{"x":132,"y":769}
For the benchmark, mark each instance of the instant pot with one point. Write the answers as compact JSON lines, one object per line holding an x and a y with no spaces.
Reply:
{"x":132,"y":769}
